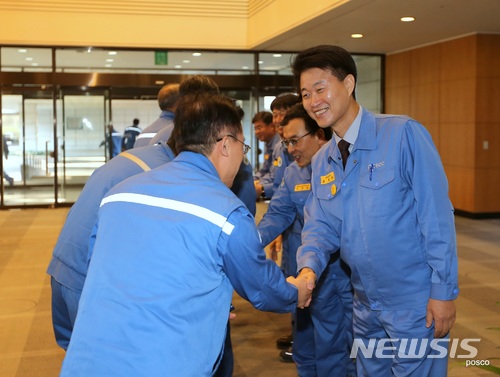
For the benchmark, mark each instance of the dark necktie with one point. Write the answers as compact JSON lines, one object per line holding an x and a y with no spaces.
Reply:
{"x":344,"y":151}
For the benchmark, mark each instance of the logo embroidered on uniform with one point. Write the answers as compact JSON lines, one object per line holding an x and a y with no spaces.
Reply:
{"x":334,"y":189}
{"x":303,"y":187}
{"x":280,"y":161}
{"x":330,"y":177}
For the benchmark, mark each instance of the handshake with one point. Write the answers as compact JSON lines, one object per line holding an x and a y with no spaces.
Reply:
{"x":305,"y":283}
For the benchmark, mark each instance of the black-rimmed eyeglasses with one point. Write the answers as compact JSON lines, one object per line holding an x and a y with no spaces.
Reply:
{"x":293,"y":142}
{"x":246,"y":147}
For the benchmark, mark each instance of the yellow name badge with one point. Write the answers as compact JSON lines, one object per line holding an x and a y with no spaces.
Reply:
{"x":327,"y":178}
{"x":303,"y":187}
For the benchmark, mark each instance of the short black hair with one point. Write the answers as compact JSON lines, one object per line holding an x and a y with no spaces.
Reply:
{"x":264,"y":116}
{"x":197,"y":83}
{"x":201,"y":118}
{"x":327,"y":57}
{"x":285,"y":101}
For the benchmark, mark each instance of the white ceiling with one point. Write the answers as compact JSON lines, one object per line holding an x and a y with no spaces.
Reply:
{"x":378,"y":20}
{"x":384,"y":33}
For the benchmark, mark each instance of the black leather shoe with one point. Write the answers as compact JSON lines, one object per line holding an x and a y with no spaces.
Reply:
{"x":284,"y":342}
{"x":286,"y":356}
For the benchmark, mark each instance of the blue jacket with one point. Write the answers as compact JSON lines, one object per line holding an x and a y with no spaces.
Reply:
{"x":282,"y":161}
{"x":266,"y":173}
{"x":151,"y":303}
{"x":286,"y":212}
{"x":129,"y":136}
{"x":389,"y":213}
{"x":166,"y":120}
{"x":69,"y":258}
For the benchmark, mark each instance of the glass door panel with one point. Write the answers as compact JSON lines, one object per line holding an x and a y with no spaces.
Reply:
{"x":81,"y":148}
{"x":28,"y":128}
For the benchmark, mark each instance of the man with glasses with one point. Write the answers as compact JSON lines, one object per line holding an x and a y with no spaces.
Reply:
{"x":151,"y":303}
{"x":322,"y":333}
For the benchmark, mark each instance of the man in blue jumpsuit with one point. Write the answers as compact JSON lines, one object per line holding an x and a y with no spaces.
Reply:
{"x":150,"y":303}
{"x":389,"y":213}
{"x":68,"y":266}
{"x":167,"y":100}
{"x":265,"y":130}
{"x":281,"y":157}
{"x":322,"y":332}
{"x":130,"y":134}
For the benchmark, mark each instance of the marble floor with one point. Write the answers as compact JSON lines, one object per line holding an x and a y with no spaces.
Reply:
{"x":27,"y":346}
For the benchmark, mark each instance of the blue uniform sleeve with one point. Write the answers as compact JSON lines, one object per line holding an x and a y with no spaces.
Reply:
{"x":280,"y":215}
{"x":255,"y":278}
{"x":320,"y":236}
{"x":424,"y":172}
{"x":244,"y":188}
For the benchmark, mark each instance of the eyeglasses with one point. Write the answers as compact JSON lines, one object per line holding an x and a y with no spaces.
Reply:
{"x":246,"y":147}
{"x":293,"y":142}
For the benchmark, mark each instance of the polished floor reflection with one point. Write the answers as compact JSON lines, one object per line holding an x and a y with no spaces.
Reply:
{"x":27,"y":347}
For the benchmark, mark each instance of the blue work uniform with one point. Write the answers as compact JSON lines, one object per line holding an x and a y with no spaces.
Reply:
{"x":281,"y":162}
{"x":68,"y":266}
{"x":266,"y":174}
{"x":390,"y":215}
{"x":150,"y":303}
{"x":115,"y":143}
{"x":165,"y":120}
{"x":129,"y":136}
{"x":322,"y":333}
{"x":162,"y":135}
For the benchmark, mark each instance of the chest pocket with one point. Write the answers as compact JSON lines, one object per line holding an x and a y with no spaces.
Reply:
{"x":378,"y":193}
{"x":327,"y":191}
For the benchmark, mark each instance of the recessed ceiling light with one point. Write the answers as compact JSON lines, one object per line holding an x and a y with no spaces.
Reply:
{"x":261,"y":62}
{"x":110,"y":60}
{"x":177,"y":66}
{"x":28,"y":59}
{"x":108,"y":65}
{"x":357,"y":35}
{"x":244,"y":67}
{"x":186,"y":61}
{"x":34,"y":64}
{"x":196,"y":54}
{"x":112,"y":53}
{"x":277,"y":55}
{"x":407,"y":19}
{"x":22,"y":51}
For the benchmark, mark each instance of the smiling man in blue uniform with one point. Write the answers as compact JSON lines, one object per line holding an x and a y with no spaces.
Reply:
{"x":150,"y":303}
{"x":389,"y":213}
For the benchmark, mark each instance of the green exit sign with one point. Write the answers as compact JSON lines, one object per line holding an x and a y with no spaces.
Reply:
{"x":161,"y":57}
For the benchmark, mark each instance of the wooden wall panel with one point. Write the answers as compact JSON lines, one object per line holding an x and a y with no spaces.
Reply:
{"x":425,"y":101}
{"x":487,"y":183}
{"x":397,"y":70}
{"x":488,"y":133}
{"x":488,"y":98}
{"x":425,"y":67}
{"x":453,"y":89}
{"x":458,"y":59}
{"x":457,"y":147}
{"x":458,"y":100}
{"x":488,"y":59}
{"x":397,"y":100}
{"x":461,"y":187}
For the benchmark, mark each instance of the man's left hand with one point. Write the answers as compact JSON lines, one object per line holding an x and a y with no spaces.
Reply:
{"x":443,"y":313}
